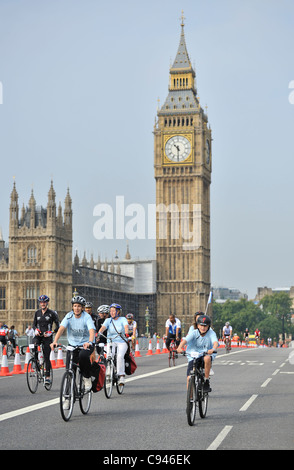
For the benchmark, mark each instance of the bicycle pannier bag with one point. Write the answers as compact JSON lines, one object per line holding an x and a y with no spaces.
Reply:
{"x":130,"y":363}
{"x":98,"y":371}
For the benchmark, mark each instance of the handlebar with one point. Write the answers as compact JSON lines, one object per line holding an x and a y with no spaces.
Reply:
{"x":111,"y":339}
{"x":205,"y":353}
{"x":69,"y":348}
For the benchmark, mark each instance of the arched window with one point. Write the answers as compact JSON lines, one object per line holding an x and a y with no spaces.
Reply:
{"x":32,"y":254}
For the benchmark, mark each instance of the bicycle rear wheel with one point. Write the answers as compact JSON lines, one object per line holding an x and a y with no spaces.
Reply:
{"x":191,"y":401}
{"x":67,"y":395}
{"x":32,"y":375}
{"x":85,"y":398}
{"x":108,"y":383}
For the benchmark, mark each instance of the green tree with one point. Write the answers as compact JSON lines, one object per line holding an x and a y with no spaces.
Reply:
{"x":278,"y":307}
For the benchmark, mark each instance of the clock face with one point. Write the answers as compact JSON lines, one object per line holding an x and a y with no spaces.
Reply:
{"x":177,"y":148}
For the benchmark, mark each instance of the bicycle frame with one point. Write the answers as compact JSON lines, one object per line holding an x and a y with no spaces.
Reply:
{"x":172,"y":353}
{"x":195,"y":393}
{"x":71,"y":389}
{"x":111,"y":377}
{"x":35,"y":373}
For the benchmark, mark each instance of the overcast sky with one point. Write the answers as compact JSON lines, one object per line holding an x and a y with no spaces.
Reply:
{"x":80,"y":82}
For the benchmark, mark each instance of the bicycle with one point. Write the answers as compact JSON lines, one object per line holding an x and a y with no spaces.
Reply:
{"x":72,"y":386}
{"x":9,"y":349}
{"x":172,"y":354}
{"x":227,"y":344}
{"x":111,"y":377}
{"x":36,"y":371}
{"x":195,"y":392}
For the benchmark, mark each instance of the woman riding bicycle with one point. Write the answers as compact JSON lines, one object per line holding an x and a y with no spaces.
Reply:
{"x":117,"y":326}
{"x":201,"y":340}
{"x":80,"y":332}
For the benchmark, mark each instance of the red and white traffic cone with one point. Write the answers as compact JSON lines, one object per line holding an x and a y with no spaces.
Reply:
{"x":164,"y":349}
{"x":4,"y":366}
{"x":137,"y":350}
{"x":157,"y":348}
{"x":17,"y":365}
{"x":27,"y":358}
{"x":149,"y":353}
{"x":52,"y":360}
{"x":59,"y":362}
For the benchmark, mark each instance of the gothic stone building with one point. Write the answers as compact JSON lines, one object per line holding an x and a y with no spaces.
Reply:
{"x":37,"y":261}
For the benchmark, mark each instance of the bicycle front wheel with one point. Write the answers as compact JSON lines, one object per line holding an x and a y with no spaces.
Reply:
{"x":202,"y":401}
{"x":85,"y":398}
{"x":191,"y":401}
{"x":119,"y":387}
{"x":67,"y":396}
{"x":48,"y":386}
{"x":108,"y":383}
{"x":174,"y":357}
{"x":32,"y":375}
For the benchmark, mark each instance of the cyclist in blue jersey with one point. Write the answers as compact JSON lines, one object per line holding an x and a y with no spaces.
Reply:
{"x":116,"y":326}
{"x":173,"y":330}
{"x":80,"y":332}
{"x":203,"y":339}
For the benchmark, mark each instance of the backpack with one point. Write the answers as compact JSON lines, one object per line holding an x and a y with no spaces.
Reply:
{"x":98,"y":370}
{"x":130,"y":363}
{"x":11,"y":334}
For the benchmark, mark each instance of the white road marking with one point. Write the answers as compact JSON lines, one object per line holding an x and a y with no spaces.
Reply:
{"x":219,"y":439}
{"x":266,"y":382}
{"x":248,"y":403}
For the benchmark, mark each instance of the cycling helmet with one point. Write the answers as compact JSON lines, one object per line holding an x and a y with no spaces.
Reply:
{"x":43,"y":298}
{"x":78,"y":300}
{"x":117,"y":306}
{"x":103,"y":309}
{"x":89,"y":305}
{"x":204,"y":320}
{"x":129,"y":316}
{"x":227,"y":323}
{"x":118,"y":309}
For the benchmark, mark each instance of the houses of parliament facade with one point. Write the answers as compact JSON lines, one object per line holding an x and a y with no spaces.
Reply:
{"x":38,"y":258}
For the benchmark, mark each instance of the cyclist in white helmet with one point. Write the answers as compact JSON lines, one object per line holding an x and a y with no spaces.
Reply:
{"x":80,"y":332}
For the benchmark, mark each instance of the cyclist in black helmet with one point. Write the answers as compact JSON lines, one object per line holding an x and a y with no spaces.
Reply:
{"x":203,"y":339}
{"x":43,"y":326}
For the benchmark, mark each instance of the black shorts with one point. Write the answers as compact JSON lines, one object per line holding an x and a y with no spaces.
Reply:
{"x":190,"y":365}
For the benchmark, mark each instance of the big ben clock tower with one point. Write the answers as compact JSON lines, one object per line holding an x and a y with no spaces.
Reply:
{"x":182,"y":165}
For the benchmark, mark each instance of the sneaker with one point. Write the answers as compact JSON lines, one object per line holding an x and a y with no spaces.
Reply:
{"x":47,"y":381}
{"x":65,"y":404}
{"x":121,"y":380}
{"x":206,"y":387}
{"x":87,"y":384}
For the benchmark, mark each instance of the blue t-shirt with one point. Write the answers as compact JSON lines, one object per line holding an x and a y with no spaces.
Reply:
{"x":198,"y":343}
{"x":78,"y":328}
{"x":119,"y":323}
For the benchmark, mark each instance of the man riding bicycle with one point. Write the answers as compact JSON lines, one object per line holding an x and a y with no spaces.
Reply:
{"x":173,"y":330}
{"x":201,"y":340}
{"x":257,"y":336}
{"x":80,"y":332}
{"x":43,"y":326}
{"x":227,"y":333}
